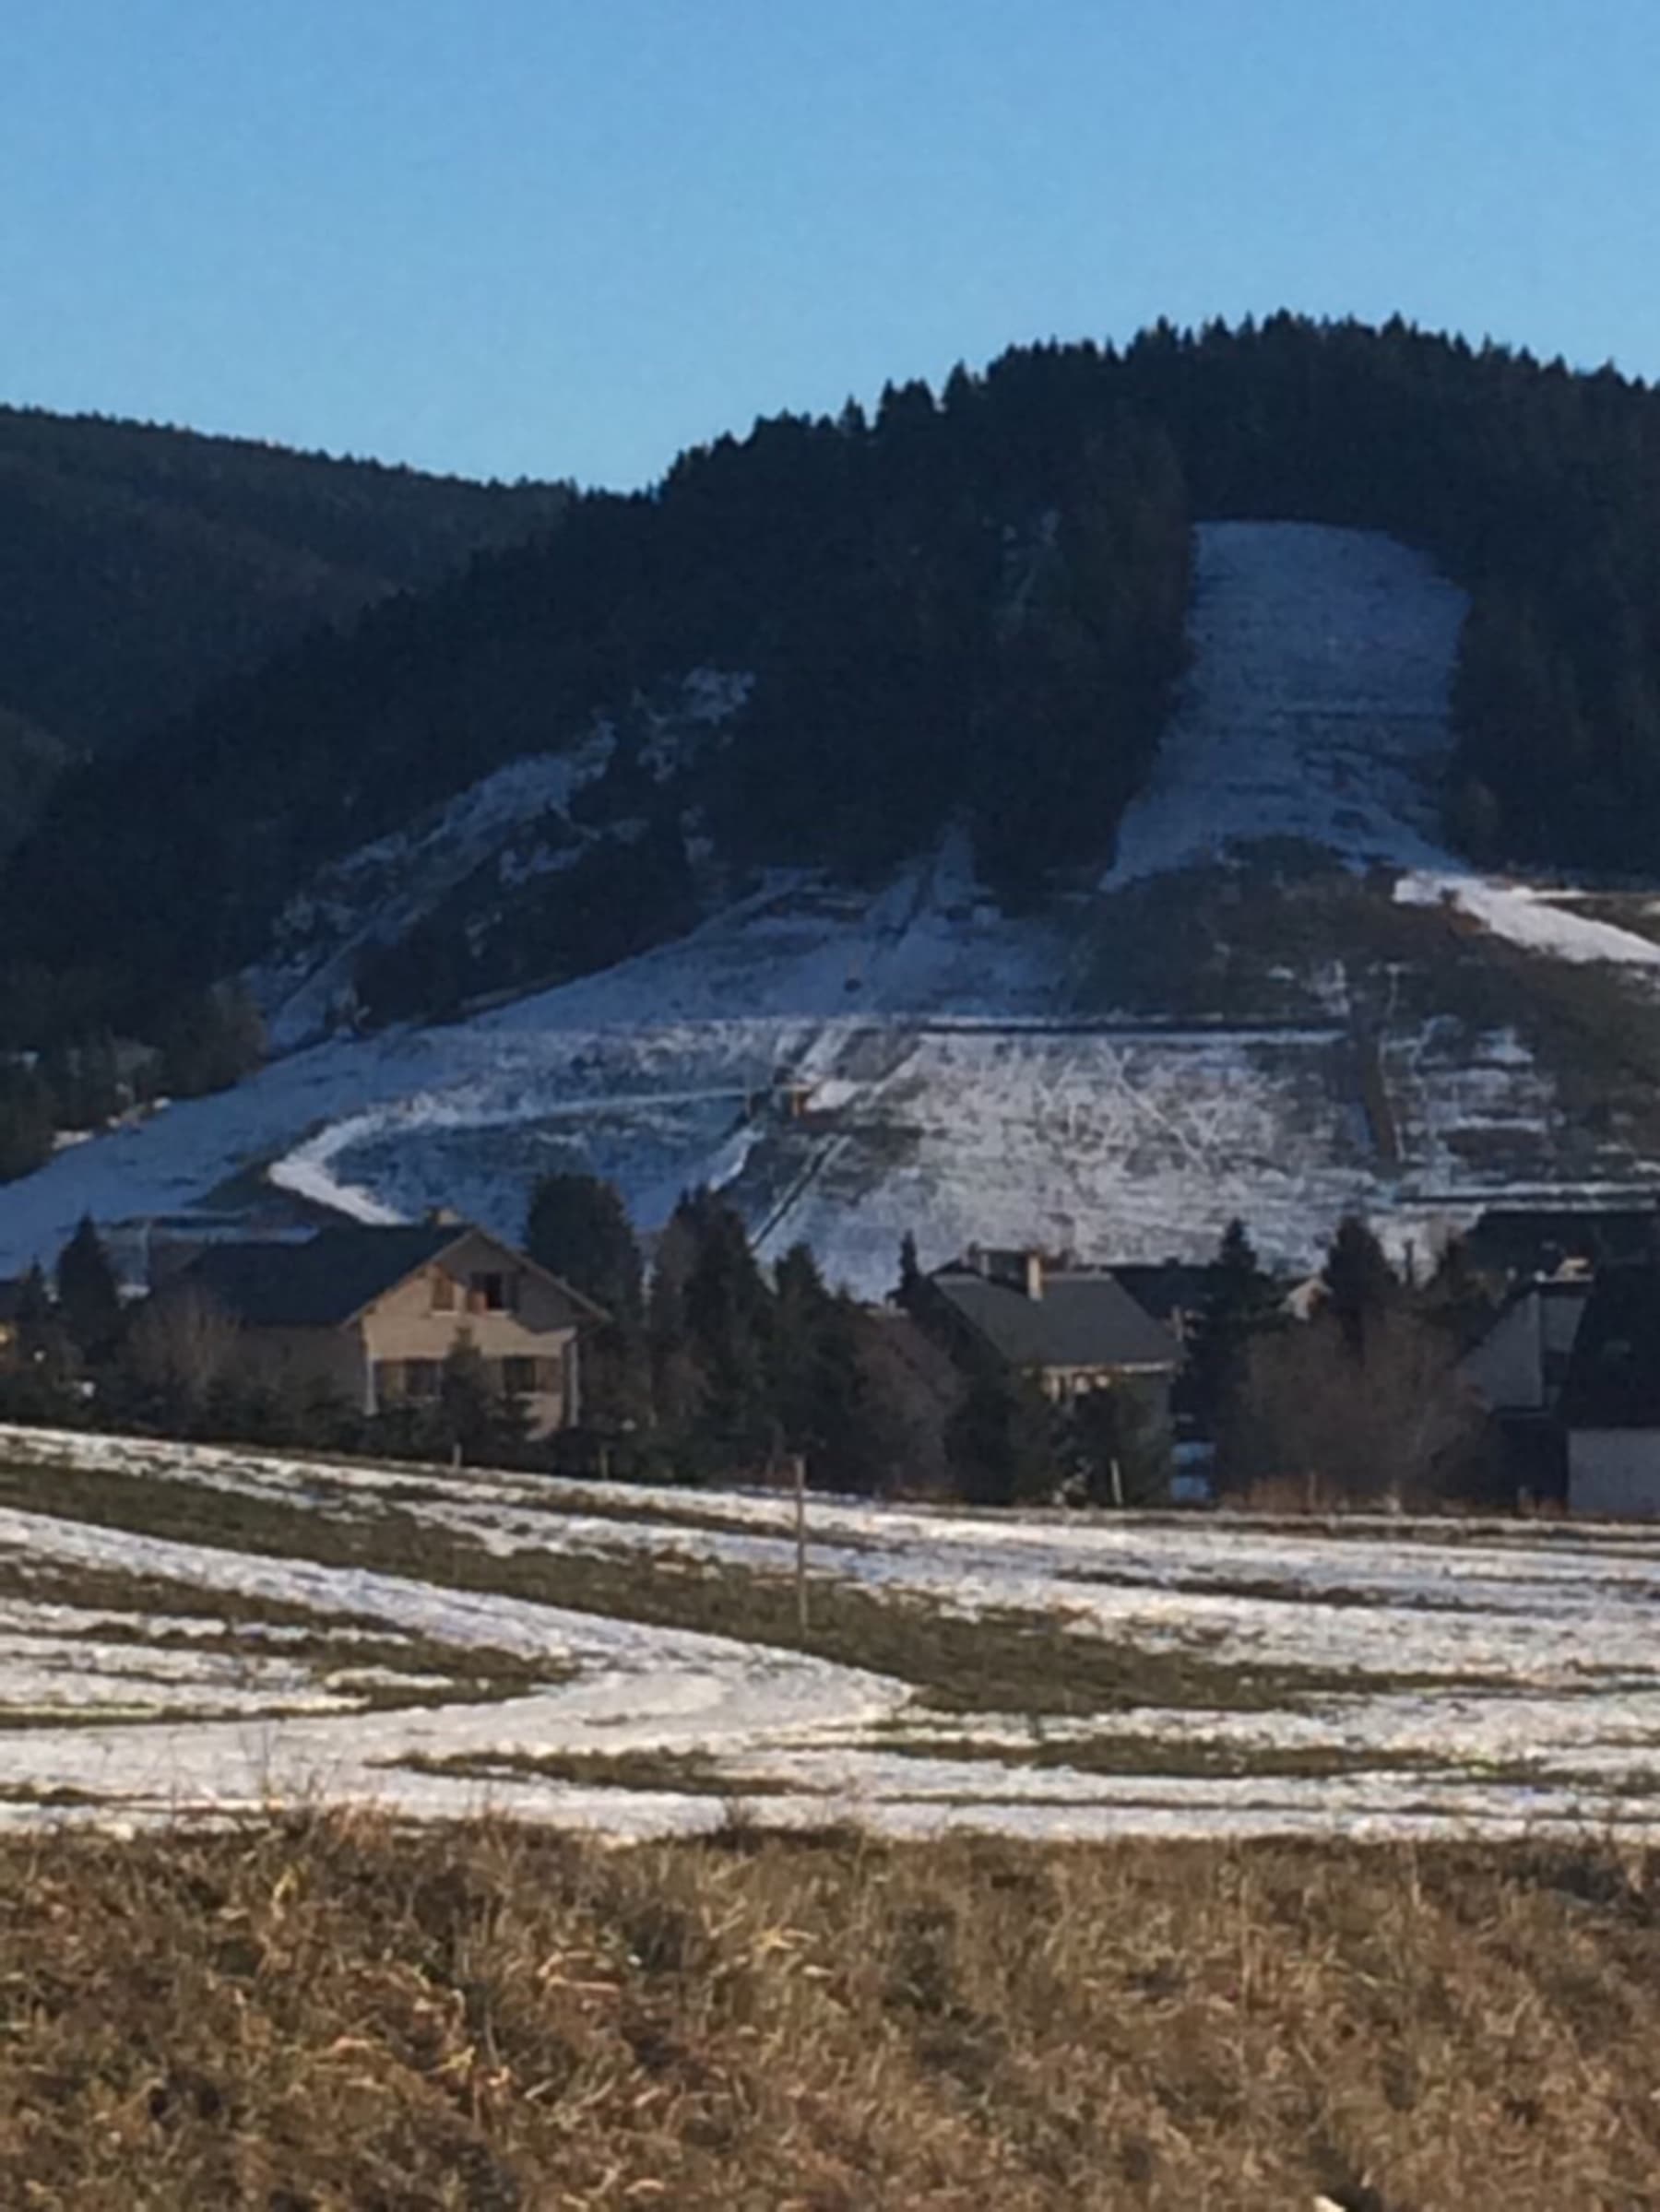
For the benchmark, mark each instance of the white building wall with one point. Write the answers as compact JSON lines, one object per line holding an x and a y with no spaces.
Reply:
{"x":1614,"y":1472}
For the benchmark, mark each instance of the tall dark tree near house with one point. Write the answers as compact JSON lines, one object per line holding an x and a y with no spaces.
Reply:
{"x":472,"y":1416}
{"x":728,"y":1313}
{"x":1000,"y":1440}
{"x":1122,"y":1447}
{"x":675,"y":1384}
{"x":827,"y":1398}
{"x":709,"y":1320}
{"x":1240,"y":1302}
{"x":910,"y":1270}
{"x":1360,"y":1285}
{"x":88,"y":1297}
{"x":578,"y":1228}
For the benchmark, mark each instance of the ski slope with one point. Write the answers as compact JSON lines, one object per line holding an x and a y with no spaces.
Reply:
{"x":960,"y":1079}
{"x":1316,"y":707}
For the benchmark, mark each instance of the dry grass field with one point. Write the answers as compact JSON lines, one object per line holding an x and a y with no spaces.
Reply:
{"x":326,"y":2013}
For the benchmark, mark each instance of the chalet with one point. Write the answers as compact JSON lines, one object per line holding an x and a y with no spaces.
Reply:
{"x":1071,"y":1329}
{"x":372,"y":1314}
{"x":1610,"y":1402}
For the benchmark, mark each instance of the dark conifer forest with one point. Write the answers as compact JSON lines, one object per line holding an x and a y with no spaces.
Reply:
{"x":139,"y":565}
{"x":969,"y":607}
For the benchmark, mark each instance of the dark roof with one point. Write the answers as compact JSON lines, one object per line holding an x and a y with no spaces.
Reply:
{"x":1614,"y":1375}
{"x":1529,"y":1240}
{"x":1084,"y":1318}
{"x":322,"y":1282}
{"x":1172,"y":1287}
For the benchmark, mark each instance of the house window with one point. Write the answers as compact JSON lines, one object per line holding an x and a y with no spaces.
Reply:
{"x":423,"y":1378}
{"x":443,"y":1292}
{"x":519,"y":1376}
{"x":494,"y":1293}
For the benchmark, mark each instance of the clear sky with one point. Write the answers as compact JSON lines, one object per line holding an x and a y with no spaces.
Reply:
{"x":568,"y":237}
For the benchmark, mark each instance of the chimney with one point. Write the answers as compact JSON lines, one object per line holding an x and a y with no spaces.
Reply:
{"x":1032,"y":1264}
{"x":443,"y":1217}
{"x":979,"y":1259}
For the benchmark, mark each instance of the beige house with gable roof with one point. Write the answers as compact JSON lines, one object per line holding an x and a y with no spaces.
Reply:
{"x":372,"y":1314}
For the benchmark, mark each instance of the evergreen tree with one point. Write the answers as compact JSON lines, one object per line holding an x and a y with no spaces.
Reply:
{"x":87,"y":1296}
{"x":27,"y":1121}
{"x":1360,"y":1284}
{"x":728,"y":1318}
{"x":1242,"y":1302}
{"x":910,"y":1270}
{"x":1120,"y":1447}
{"x":1000,"y":1441}
{"x":579,"y":1230}
{"x":473,"y":1417}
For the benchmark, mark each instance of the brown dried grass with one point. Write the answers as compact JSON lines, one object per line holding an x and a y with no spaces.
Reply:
{"x":330,"y":2014}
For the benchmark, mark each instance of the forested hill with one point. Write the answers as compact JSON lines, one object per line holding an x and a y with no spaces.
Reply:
{"x":969,"y":607}
{"x":140,"y":565}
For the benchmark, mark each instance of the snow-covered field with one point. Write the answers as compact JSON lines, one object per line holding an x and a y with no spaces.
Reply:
{"x":954,"y":1088}
{"x":1156,"y":1675}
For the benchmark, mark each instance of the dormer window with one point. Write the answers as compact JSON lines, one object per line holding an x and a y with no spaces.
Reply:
{"x":494,"y":1293}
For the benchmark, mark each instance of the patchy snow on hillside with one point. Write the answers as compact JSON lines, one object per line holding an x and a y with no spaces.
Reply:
{"x":1401,"y":1678}
{"x":518,"y":815}
{"x":1527,"y":915}
{"x":948,"y":1082}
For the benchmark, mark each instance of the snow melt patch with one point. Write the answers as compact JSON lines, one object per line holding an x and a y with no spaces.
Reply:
{"x":1525,"y":914}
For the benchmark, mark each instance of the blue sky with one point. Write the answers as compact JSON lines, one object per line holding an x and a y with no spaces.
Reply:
{"x":568,"y":237}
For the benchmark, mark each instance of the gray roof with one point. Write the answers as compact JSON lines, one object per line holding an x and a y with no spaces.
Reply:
{"x":322,"y":1282}
{"x":1084,"y":1318}
{"x":1169,"y":1287}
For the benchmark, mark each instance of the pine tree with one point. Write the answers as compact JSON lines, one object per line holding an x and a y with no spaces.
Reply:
{"x":1000,"y":1441}
{"x":89,"y":1298}
{"x":1359,"y":1283}
{"x":728,"y":1313}
{"x":578,"y":1229}
{"x":1241,"y":1303}
{"x":473,"y":1417}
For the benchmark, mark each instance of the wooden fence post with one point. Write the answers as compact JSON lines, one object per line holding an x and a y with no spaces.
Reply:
{"x":801,"y":1530}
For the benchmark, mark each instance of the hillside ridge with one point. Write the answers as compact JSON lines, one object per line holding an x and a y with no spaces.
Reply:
{"x":1118,"y":1074}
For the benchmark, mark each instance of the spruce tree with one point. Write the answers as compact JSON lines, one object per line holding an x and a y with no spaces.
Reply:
{"x":1000,"y":1440}
{"x":1360,"y":1284}
{"x":578,"y":1229}
{"x":89,"y":1298}
{"x":1241,"y":1303}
